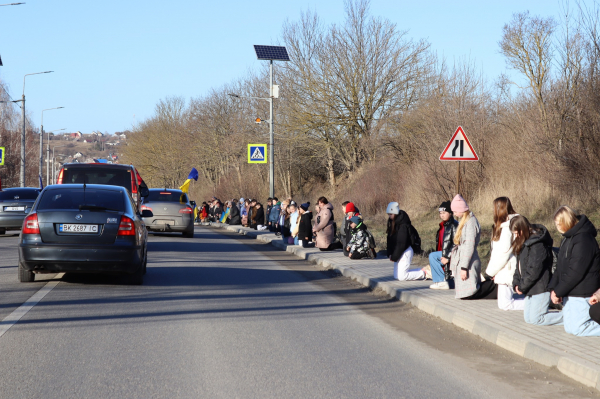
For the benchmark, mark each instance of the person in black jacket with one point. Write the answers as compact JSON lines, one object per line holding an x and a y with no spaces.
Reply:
{"x":532,"y":244}
{"x":234,"y":214}
{"x":439,"y":261}
{"x":399,"y":242}
{"x":577,"y":274}
{"x":305,"y":226}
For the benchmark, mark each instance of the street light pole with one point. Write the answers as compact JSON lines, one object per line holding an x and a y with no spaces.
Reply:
{"x":22,"y":172}
{"x":271,"y":139}
{"x":42,"y":147}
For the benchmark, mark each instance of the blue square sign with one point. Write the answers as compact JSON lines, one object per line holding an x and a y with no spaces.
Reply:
{"x":257,"y":153}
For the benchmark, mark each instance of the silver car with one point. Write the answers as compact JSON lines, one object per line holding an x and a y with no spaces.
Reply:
{"x":15,"y":204}
{"x":172,"y":212}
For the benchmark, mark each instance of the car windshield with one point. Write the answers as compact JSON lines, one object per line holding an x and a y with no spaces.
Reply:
{"x":166,"y":196}
{"x":74,"y":198}
{"x":97,"y":175}
{"x":15,"y":195}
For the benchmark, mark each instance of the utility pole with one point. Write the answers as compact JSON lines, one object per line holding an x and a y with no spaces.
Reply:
{"x":42,"y":148}
{"x":22,"y":172}
{"x":23,"y":132}
{"x":271,"y":138}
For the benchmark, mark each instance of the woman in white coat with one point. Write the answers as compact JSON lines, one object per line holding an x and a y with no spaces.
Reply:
{"x":503,"y":262}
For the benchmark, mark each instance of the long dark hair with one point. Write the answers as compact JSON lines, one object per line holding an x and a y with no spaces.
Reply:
{"x":519,"y":224}
{"x":502,"y":208}
{"x":391,"y":225}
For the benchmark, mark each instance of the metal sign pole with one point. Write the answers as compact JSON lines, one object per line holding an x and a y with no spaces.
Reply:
{"x":457,"y":177}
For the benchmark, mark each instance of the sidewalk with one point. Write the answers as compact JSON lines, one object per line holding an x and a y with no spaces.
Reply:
{"x":576,"y":357}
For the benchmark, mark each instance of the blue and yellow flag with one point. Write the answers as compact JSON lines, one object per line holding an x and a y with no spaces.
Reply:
{"x":186,"y":186}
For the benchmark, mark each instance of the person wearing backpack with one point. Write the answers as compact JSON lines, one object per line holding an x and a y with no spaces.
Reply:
{"x":439,"y":261}
{"x":577,"y":275}
{"x":399,"y":244}
{"x":359,"y":246}
{"x":532,"y":245}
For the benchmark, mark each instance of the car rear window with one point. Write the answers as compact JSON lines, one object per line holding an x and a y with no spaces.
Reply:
{"x":72,"y":198}
{"x":98,"y":175}
{"x":166,"y":196}
{"x":12,"y":195}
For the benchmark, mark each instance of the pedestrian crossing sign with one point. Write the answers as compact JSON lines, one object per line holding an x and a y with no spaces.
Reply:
{"x":257,"y":153}
{"x":2,"y":151}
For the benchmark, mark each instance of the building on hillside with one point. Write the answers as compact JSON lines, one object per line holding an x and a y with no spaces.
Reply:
{"x":75,"y":136}
{"x":77,"y":155}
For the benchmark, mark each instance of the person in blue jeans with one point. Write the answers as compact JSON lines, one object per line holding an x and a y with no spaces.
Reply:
{"x":532,"y":245}
{"x":439,"y":261}
{"x":577,"y":275}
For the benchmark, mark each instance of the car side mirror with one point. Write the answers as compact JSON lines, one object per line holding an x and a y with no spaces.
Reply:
{"x":146,"y":213}
{"x":144,"y":192}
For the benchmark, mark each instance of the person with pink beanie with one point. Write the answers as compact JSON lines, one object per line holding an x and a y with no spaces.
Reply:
{"x":464,"y":261}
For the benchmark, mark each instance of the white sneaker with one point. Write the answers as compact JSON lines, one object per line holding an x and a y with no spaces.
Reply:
{"x":442,"y":285}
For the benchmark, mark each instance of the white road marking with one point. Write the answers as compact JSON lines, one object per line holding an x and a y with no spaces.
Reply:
{"x":22,"y":310}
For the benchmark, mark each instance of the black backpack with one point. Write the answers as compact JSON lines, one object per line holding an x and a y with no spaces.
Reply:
{"x":415,"y":240}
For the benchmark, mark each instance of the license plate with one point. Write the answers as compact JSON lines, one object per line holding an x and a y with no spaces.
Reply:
{"x":78,"y":228}
{"x":171,"y":222}
{"x":14,"y":208}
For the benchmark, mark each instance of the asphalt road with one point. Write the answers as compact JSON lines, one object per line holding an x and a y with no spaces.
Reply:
{"x":220,"y":317}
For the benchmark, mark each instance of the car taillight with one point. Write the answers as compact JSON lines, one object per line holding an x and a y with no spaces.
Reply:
{"x":134,"y":185}
{"x":59,"y":180}
{"x":186,"y":210}
{"x":126,"y":227}
{"x":31,"y":225}
{"x":146,"y":208}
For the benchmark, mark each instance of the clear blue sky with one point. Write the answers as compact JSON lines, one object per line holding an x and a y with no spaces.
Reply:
{"x":114,"y":59}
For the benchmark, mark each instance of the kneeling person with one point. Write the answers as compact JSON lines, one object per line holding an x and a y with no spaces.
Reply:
{"x":439,"y":261}
{"x":359,"y":246}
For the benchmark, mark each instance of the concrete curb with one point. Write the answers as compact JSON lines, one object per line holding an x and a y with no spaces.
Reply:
{"x":572,"y":366}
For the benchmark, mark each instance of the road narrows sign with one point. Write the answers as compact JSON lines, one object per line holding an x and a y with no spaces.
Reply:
{"x":257,"y":153}
{"x":459,"y":148}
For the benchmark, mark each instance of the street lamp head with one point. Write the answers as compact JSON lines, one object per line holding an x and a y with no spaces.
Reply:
{"x":233,"y":95}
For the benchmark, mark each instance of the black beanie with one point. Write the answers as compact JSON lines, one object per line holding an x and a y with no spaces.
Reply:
{"x":305,"y":206}
{"x":445,"y":207}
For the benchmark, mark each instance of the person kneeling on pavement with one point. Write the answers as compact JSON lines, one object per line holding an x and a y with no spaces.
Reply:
{"x":439,"y":261}
{"x":360,"y":244}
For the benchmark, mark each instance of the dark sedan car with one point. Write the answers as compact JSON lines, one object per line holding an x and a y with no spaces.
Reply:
{"x":172,"y":211}
{"x":15,"y":204}
{"x":86,"y":229}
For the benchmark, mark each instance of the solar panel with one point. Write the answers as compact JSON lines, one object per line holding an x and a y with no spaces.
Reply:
{"x":278,"y":53}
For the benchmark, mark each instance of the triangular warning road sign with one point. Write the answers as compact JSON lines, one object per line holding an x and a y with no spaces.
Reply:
{"x":257,"y":154}
{"x":459,"y":148}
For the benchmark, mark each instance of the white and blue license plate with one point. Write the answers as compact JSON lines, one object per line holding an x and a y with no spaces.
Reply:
{"x":14,"y":208}
{"x":78,"y":228}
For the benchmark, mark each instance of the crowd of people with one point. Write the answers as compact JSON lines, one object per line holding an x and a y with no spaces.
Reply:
{"x":552,"y":286}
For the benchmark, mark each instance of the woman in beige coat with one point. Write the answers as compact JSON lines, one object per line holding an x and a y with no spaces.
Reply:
{"x":324,"y":226}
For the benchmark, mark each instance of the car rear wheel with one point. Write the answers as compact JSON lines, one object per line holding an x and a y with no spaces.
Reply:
{"x":137,"y":278}
{"x":188,"y":234}
{"x":25,"y":276}
{"x":2,"y":231}
{"x":145,"y":258}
